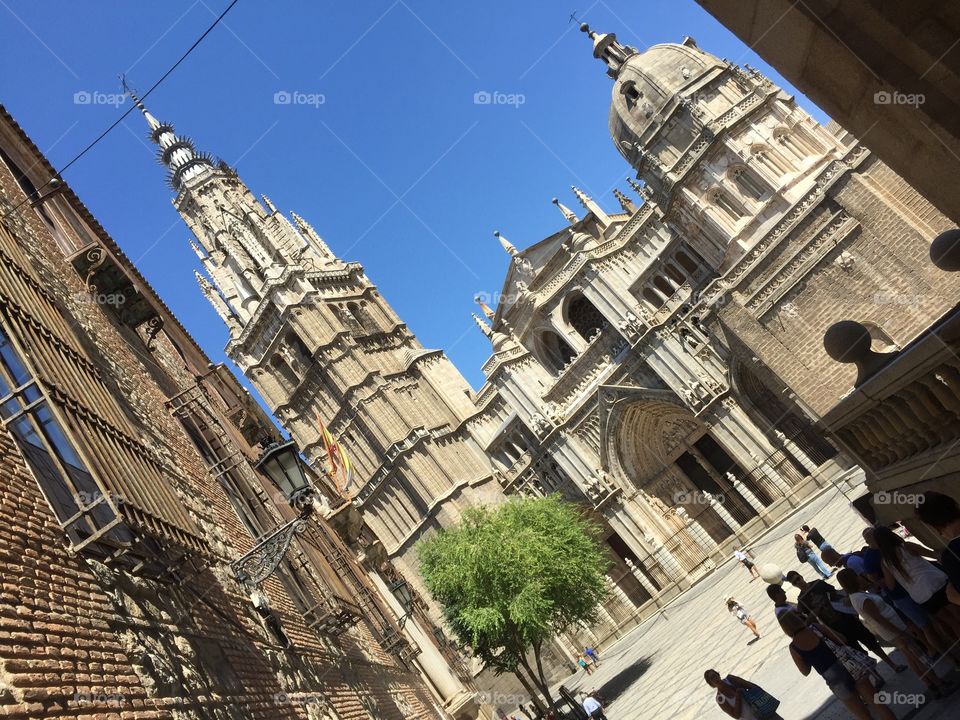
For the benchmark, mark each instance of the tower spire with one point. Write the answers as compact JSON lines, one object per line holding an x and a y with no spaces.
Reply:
{"x":484,"y":328}
{"x":590,"y":205}
{"x":177,"y":153}
{"x":607,"y":48}
{"x":567,"y":212}
{"x":506,"y":243}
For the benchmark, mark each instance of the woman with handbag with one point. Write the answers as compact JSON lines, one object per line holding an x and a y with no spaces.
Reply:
{"x":846,"y":671}
{"x":741,"y":698}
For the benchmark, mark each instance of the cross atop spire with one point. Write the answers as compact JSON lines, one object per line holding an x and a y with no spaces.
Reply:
{"x":177,"y":153}
{"x":606,"y":48}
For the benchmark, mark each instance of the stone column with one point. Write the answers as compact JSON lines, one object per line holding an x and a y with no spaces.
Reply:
{"x":642,"y":578}
{"x":745,"y":492}
{"x":432,"y":665}
{"x":722,"y":512}
{"x":700,"y":536}
{"x":666,"y":559}
{"x":789,"y":446}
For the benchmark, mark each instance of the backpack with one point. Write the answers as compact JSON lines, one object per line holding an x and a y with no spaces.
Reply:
{"x":802,"y":553}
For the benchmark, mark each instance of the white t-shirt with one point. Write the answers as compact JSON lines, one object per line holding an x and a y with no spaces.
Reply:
{"x":921,"y":579}
{"x":591,"y":706}
{"x":858,"y":600}
{"x":739,"y":555}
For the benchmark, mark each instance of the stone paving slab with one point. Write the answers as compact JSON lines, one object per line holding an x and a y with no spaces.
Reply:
{"x":656,"y":670}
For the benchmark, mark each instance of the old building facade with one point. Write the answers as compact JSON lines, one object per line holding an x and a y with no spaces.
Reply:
{"x":662,"y":365}
{"x":134,"y":585}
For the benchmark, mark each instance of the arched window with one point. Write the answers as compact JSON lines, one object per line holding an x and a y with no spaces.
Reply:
{"x":723,"y":201}
{"x":298,"y":347}
{"x":686,"y":263}
{"x":584,"y":317}
{"x":354,"y":315}
{"x":748,"y":184}
{"x":555,"y":351}
{"x":663,"y":285}
{"x":653,"y":298}
{"x":287,"y":377}
{"x":678,"y":277}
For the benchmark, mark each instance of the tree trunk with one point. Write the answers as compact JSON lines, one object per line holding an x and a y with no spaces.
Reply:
{"x":528,"y":686}
{"x":539,"y":682}
{"x":543,"y":679}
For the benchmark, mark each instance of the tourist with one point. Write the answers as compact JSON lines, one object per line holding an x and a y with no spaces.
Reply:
{"x":918,"y":619}
{"x":780,"y":603}
{"x":743,"y":616}
{"x":581,"y":661}
{"x":814,"y":536}
{"x":942,"y":513}
{"x":745,"y":558}
{"x":816,"y":647}
{"x":592,"y":654}
{"x":806,"y":553}
{"x":593,"y":708}
{"x":903,"y":562}
{"x":884,"y":622}
{"x":741,"y":698}
{"x":832,"y":608}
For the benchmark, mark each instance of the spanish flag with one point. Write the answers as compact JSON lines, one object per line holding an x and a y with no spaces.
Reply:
{"x":340,"y":468}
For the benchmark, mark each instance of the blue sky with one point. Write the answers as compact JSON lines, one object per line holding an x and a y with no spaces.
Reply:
{"x":397,"y":167}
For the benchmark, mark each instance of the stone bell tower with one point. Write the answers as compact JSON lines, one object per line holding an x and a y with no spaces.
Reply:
{"x":321,"y":344}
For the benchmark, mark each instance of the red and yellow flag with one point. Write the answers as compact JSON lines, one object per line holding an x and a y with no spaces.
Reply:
{"x":340,"y":468}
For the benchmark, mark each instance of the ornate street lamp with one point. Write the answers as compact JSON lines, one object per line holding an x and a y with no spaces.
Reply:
{"x":280,"y":462}
{"x":401,"y":591}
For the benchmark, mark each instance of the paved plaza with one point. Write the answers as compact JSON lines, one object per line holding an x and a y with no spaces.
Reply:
{"x":656,"y":670}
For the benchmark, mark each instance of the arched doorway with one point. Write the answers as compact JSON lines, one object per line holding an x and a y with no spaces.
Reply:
{"x":669,"y":454}
{"x":555,"y":352}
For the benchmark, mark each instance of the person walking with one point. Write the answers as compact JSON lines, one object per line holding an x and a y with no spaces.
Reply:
{"x":816,"y":647}
{"x":582,"y":662}
{"x":884,"y":622}
{"x":741,"y":698}
{"x":738,"y":611}
{"x":806,"y":553}
{"x":745,"y":558}
{"x":592,"y":654}
{"x":593,"y":708}
{"x":813,"y":535}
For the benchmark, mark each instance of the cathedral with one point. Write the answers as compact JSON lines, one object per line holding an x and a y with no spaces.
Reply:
{"x":660,"y":364}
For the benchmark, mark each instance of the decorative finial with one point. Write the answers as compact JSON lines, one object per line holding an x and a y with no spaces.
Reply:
{"x":484,"y":328}
{"x":198,"y":250}
{"x":635,"y":186}
{"x":484,"y":307}
{"x":567,"y":212}
{"x":506,"y":243}
{"x":590,"y":206}
{"x":625,"y":202}
{"x":269,"y":205}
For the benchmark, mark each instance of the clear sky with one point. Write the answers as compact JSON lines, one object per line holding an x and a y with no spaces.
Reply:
{"x":382,"y":147}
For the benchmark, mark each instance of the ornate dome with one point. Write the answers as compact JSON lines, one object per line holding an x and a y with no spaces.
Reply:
{"x":646,"y":85}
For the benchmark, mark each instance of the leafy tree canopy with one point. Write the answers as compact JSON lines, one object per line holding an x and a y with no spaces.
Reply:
{"x":512,"y":576}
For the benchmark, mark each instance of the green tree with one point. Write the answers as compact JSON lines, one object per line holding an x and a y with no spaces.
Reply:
{"x":512,"y":577}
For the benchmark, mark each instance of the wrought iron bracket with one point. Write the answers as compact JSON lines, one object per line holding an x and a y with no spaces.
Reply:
{"x":260,"y":563}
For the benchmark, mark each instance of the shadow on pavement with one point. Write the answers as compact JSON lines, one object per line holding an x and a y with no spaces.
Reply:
{"x":620,"y":683}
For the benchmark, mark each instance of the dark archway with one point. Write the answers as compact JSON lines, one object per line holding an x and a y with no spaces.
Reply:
{"x":555,"y":352}
{"x":584,"y":317}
